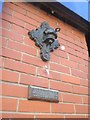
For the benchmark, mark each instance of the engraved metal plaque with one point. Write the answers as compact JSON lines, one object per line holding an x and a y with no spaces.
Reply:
{"x":38,"y":93}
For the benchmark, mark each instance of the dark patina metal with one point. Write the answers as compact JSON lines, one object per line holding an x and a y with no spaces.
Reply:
{"x":44,"y":37}
{"x":38,"y":93}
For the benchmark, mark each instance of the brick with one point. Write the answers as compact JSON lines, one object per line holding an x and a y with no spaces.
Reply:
{"x":70,"y":79}
{"x":78,"y":117}
{"x":60,"y":53}
{"x":0,"y":101}
{"x":59,"y":68}
{"x":70,"y":45}
{"x":3,"y":41}
{"x":83,"y":68}
{"x":32,"y":80}
{"x":25,"y":18}
{"x":60,"y":86}
{"x":80,"y":90}
{"x":19,"y":115}
{"x":65,"y":37}
{"x":84,"y":82}
{"x":28,"y":41}
{"x":35,"y":17}
{"x":62,"y":42}
{"x":10,"y":76}
{"x":1,"y":61}
{"x":69,"y":63}
{"x":9,"y":104}
{"x":14,"y":90}
{"x":33,"y":60}
{"x":85,"y":51}
{"x":54,"y":58}
{"x":20,"y":30}
{"x":33,"y":106}
{"x":7,"y":10}
{"x":12,"y":35}
{"x":76,"y":59}
{"x":8,"y":53}
{"x":78,"y":73}
{"x":60,"y":97}
{"x":0,"y":22}
{"x":0,"y":51}
{"x":62,"y":108}
{"x":81,"y":109}
{"x":72,"y":98}
{"x":5,"y":24}
{"x":49,"y":116}
{"x":18,"y":22}
{"x":80,"y":49}
{"x":81,"y":55}
{"x":71,"y":51}
{"x":6,"y":17}
{"x":15,"y":8}
{"x":85,"y":100}
{"x":22,"y":48}
{"x":53,"y":75}
{"x":20,"y":67}
{"x":30,"y":27}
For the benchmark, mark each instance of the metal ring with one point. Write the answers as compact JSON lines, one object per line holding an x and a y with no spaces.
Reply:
{"x":57,"y":29}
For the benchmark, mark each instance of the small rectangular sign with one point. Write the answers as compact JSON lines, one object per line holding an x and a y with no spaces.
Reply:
{"x":38,"y":93}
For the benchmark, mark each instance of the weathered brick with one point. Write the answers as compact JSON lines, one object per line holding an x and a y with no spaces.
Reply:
{"x":20,"y":30}
{"x":18,"y":116}
{"x":6,"y":17}
{"x":10,"y":76}
{"x":80,"y":74}
{"x":25,"y":18}
{"x":35,"y":17}
{"x":81,"y":109}
{"x":22,"y":48}
{"x":83,"y":68}
{"x":54,"y":58}
{"x":60,"y":86}
{"x":72,"y":98}
{"x":9,"y":104}
{"x":11,"y":54}
{"x":12,"y":35}
{"x":62,"y":108}
{"x":33,"y":106}
{"x":53,"y":75}
{"x":59,"y":68}
{"x":7,"y":10}
{"x":84,"y":82}
{"x":18,"y":21}
{"x":69,"y":63}
{"x":85,"y":99}
{"x":70,"y":79}
{"x":33,"y":60}
{"x":14,"y":90}
{"x":15,"y":8}
{"x":50,"y":116}
{"x":3,"y":41}
{"x":32,"y":80}
{"x":20,"y":67}
{"x":60,"y":53}
{"x":80,"y":90}
{"x":28,"y":41}
{"x":5,"y":24}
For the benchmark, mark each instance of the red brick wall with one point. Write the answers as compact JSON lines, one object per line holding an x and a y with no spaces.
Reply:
{"x":22,"y":66}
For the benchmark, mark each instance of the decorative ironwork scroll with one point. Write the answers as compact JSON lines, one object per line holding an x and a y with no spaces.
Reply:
{"x":44,"y":37}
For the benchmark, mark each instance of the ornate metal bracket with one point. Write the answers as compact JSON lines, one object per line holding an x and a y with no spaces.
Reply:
{"x":44,"y":37}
